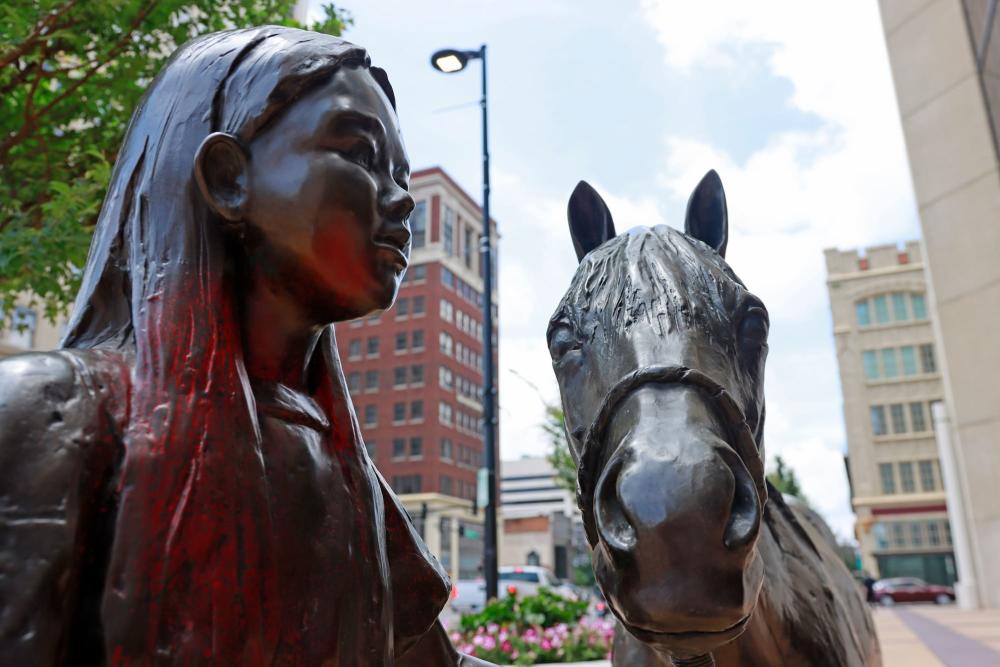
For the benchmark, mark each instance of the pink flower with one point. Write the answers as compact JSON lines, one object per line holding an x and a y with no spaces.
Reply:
{"x":506,"y":646}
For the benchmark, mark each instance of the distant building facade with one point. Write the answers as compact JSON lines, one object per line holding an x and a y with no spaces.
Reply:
{"x":890,"y":379}
{"x":28,"y":331}
{"x":415,"y":374}
{"x":943,"y":55}
{"x":540,"y":519}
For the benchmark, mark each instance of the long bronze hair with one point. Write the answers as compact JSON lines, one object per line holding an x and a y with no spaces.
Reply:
{"x":190,"y":537}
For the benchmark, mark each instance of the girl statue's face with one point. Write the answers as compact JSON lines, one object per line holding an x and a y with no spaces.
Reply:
{"x":322,"y":195}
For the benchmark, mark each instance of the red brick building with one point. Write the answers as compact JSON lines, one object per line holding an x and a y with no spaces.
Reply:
{"x":415,"y":371}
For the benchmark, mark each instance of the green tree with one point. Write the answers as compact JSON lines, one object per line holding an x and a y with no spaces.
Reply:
{"x":559,"y":456}
{"x":783,"y":478}
{"x":71,"y":71}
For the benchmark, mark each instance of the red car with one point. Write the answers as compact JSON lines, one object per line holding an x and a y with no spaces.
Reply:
{"x":910,"y":589}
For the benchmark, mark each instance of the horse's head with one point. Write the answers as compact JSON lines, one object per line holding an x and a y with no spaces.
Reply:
{"x":659,"y":352}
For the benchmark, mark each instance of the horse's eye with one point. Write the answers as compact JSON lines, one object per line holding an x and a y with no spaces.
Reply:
{"x":562,"y":341}
{"x":753,"y":327}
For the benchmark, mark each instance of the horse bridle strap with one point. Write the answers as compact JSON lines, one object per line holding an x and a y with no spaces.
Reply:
{"x":729,"y":411}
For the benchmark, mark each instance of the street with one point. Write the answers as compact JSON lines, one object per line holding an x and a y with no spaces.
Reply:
{"x":933,"y":636}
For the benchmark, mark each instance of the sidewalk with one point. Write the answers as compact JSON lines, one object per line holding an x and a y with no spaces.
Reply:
{"x":932,"y":636}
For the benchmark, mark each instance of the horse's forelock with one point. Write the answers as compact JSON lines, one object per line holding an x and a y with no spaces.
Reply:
{"x":651,"y":275}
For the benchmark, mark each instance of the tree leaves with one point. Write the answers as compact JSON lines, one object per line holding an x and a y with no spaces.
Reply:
{"x":71,"y":71}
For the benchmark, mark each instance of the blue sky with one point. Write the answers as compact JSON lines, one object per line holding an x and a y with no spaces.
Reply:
{"x":790,"y":101}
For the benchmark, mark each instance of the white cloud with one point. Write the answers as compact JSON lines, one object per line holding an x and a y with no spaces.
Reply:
{"x":845,"y":184}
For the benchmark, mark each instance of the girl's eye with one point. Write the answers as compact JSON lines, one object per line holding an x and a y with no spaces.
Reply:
{"x":362,"y":154}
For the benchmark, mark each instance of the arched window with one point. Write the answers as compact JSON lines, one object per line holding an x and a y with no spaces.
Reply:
{"x":890,"y":307}
{"x":534,"y":558}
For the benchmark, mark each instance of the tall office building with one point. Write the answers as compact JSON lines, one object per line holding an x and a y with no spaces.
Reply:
{"x":889,"y":376}
{"x":415,"y":374}
{"x":945,"y":59}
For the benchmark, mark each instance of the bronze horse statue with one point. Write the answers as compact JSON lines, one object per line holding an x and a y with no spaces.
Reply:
{"x":659,"y":351}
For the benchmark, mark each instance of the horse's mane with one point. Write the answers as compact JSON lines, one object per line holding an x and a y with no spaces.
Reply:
{"x":656,"y":276}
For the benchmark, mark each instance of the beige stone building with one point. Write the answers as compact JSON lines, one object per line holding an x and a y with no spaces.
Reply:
{"x":889,"y":376}
{"x":30,"y":331}
{"x":944,"y":56}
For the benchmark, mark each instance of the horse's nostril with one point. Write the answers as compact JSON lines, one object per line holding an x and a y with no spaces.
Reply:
{"x":744,"y":516}
{"x":613,"y":526}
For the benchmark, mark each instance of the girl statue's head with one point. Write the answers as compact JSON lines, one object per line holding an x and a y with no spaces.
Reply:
{"x":267,"y":158}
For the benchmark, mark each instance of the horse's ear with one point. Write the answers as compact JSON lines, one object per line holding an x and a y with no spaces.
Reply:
{"x":707,"y":218}
{"x":590,"y":222}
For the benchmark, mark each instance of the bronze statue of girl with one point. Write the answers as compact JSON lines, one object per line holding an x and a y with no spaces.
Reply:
{"x":185,"y":482}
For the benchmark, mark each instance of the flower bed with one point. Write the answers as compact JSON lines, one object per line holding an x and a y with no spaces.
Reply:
{"x":535,"y":629}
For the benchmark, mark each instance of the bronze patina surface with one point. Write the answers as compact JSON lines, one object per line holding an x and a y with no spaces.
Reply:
{"x":659,"y":352}
{"x":184,"y":482}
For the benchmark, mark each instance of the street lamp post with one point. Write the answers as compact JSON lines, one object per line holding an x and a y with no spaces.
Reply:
{"x":450,"y":61}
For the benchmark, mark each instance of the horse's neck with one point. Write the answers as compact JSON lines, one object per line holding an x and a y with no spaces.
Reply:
{"x":808,"y":612}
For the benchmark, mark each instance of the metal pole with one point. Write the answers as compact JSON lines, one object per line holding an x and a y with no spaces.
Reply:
{"x":489,"y":389}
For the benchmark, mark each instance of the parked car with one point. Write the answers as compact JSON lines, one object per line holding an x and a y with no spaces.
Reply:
{"x":527,"y":579}
{"x":910,"y":589}
{"x":468,"y":596}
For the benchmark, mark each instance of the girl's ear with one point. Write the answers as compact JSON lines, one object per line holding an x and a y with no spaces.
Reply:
{"x":221,"y":169}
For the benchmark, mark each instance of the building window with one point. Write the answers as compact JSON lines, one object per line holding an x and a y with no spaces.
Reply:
{"x":878,"y":420}
{"x":406,"y":484}
{"x":927,"y":482}
{"x":418,"y":340}
{"x":446,"y":343}
{"x":398,"y":412}
{"x":863,"y":314}
{"x":898,"y":418}
{"x":371,"y":415}
{"x":909,"y":356}
{"x":881,"y":536}
{"x":417,"y":273}
{"x":889,"y":363}
{"x":419,"y":305}
{"x":899,"y":307}
{"x":373,"y":346}
{"x":402,"y":308}
{"x":444,"y":413}
{"x":398,"y":448}
{"x":371,"y":449}
{"x":898,"y":535}
{"x":933,"y":534}
{"x":446,"y":487}
{"x":401,"y":341}
{"x":416,"y":448}
{"x":888,"y":478}
{"x":416,"y":410}
{"x":354,"y":381}
{"x":447,"y":310}
{"x":447,"y":278}
{"x":23,"y":322}
{"x":469,"y":240}
{"x":399,"y":376}
{"x":417,"y":374}
{"x":870,"y":362}
{"x":446,"y":449}
{"x":371,"y":380}
{"x":449,"y":231}
{"x":445,"y":378}
{"x":881,"y":305}
{"x":919,"y":306}
{"x":916,"y":534}
{"x":354,"y":349}
{"x":927,"y":359}
{"x":418,"y":225}
{"x":906,"y":480}
{"x":917,"y":420}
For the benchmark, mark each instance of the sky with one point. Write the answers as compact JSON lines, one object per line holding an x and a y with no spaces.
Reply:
{"x":790,"y":101}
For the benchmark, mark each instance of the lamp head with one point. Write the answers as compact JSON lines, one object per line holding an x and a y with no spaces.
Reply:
{"x":450,"y":61}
